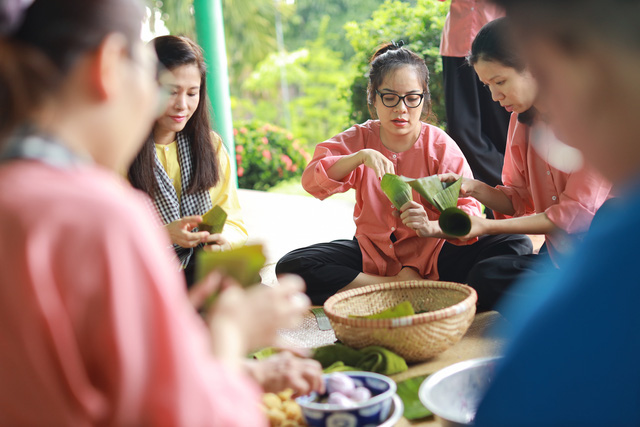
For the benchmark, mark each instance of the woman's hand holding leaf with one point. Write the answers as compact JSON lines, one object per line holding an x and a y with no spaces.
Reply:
{"x":217,"y":243}
{"x":375,"y":160}
{"x":267,"y":309}
{"x":468,"y":187}
{"x":181,"y":235}
{"x":414,"y":216}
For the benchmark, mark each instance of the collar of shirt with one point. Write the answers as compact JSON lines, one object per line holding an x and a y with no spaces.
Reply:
{"x":28,"y":144}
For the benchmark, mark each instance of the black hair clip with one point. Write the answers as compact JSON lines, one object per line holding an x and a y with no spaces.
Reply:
{"x":397,"y":44}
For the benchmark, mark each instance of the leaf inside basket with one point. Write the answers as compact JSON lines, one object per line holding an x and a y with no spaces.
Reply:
{"x":399,"y":310}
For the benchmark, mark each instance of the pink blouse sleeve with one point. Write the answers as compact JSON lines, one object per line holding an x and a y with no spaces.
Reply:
{"x":315,"y":179}
{"x":585,"y":191}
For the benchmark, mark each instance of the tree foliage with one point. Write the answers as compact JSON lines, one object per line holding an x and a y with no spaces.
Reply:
{"x":306,"y":21}
{"x":419,"y":26}
{"x":318,"y":86}
{"x":327,"y":47}
{"x":248,"y":24}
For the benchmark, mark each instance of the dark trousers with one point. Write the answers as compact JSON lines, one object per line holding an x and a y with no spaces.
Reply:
{"x":494,"y":278}
{"x":474,"y":121}
{"x":329,"y":267}
{"x":190,"y":270}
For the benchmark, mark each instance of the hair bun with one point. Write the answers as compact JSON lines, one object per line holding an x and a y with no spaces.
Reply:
{"x":393,"y":45}
{"x":11,"y":14}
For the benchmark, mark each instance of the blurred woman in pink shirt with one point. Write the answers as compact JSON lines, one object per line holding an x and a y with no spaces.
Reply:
{"x":547,"y":190}
{"x":390,"y":245}
{"x":97,"y":328}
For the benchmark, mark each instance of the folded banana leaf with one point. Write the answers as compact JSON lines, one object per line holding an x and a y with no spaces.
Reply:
{"x":455,"y":222}
{"x":427,"y":187}
{"x":398,"y":191}
{"x":448,"y":196}
{"x":243,"y":264}
{"x":444,"y":197}
{"x":213,"y":221}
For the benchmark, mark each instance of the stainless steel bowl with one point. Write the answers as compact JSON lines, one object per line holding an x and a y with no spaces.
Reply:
{"x":454,"y":393}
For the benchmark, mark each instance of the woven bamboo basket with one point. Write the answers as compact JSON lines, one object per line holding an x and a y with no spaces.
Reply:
{"x":450,"y":309}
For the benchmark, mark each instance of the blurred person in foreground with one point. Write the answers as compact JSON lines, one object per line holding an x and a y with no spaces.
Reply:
{"x":574,"y":349}
{"x":97,"y":328}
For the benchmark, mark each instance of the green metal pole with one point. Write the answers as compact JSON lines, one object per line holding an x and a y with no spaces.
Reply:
{"x":210,"y":32}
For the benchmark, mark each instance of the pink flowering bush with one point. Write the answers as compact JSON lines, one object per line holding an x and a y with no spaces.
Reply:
{"x":266,"y":155}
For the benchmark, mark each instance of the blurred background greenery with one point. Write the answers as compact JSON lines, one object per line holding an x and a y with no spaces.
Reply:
{"x":297,"y":71}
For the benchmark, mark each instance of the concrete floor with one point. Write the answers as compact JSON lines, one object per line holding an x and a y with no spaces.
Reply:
{"x":283,"y":222}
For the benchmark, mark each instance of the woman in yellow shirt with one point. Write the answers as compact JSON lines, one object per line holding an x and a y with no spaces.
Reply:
{"x":183,"y":165}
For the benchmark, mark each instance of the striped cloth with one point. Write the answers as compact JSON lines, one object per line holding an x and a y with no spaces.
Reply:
{"x":166,"y":200}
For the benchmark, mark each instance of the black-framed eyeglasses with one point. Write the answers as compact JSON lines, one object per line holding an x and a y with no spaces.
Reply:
{"x":411,"y":100}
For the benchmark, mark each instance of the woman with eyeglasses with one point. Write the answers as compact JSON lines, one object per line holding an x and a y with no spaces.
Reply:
{"x":183,"y":165}
{"x":547,"y":189}
{"x":390,"y":245}
{"x":97,"y":328}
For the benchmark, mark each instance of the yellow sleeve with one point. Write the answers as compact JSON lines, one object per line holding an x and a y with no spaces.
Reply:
{"x":225,"y":195}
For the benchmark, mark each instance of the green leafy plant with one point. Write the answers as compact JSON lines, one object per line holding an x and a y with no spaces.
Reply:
{"x":266,"y":155}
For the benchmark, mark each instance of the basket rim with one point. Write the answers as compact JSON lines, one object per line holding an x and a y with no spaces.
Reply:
{"x":416,"y":319}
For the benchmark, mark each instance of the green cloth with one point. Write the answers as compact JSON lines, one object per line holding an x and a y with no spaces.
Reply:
{"x":338,"y":367}
{"x":373,"y":358}
{"x":408,"y":392}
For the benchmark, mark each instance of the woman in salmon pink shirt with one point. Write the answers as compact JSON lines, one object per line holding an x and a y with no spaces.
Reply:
{"x":390,"y":245}
{"x":546,"y":188}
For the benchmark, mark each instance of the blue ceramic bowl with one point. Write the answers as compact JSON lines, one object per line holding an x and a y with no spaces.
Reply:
{"x":369,"y":413}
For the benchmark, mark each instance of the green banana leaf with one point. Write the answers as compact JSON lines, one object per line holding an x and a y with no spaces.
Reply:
{"x":398,"y":191}
{"x":455,"y":222}
{"x":399,"y":310}
{"x":408,"y":392}
{"x":427,"y":187}
{"x":444,"y":197}
{"x":213,"y":221}
{"x":243,"y":264}
{"x":448,"y":196}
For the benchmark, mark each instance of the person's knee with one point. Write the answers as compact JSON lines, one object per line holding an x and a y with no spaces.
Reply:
{"x":480,"y":272}
{"x":523,"y":245}
{"x":517,"y":244}
{"x":482,"y":277}
{"x":288,"y":264}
